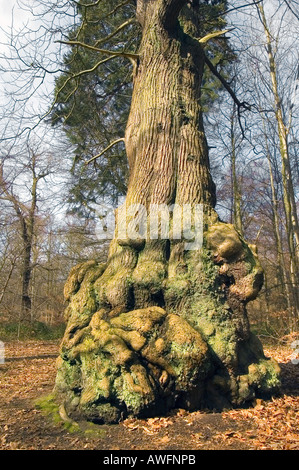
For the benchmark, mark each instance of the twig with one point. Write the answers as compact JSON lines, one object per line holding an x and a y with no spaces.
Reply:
{"x":129,"y":55}
{"x":239,"y":104}
{"x":105,"y":150}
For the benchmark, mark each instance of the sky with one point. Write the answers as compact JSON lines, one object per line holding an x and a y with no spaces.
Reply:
{"x":6,"y":7}
{"x":21,"y":17}
{"x":19,"y":82}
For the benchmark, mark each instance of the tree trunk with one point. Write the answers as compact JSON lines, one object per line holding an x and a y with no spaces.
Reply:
{"x":27,"y":232}
{"x":237,"y":212}
{"x":161,"y":325}
{"x":281,"y":270}
{"x":26,"y":277}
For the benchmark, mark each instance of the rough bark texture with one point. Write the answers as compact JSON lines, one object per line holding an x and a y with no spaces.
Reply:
{"x":159,"y":326}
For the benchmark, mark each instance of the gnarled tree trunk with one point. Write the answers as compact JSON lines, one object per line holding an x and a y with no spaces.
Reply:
{"x":161,"y":326}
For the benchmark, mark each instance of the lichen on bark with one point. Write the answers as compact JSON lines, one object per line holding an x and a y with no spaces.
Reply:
{"x":161,"y":326}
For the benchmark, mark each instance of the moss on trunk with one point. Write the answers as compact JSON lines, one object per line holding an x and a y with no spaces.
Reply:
{"x":195,"y":351}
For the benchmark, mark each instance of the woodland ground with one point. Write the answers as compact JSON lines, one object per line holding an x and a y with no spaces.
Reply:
{"x":29,"y":373}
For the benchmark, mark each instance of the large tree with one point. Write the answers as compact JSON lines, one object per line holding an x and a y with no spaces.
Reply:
{"x":161,"y":325}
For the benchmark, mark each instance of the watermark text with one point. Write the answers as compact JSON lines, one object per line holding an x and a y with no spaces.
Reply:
{"x":158,"y":221}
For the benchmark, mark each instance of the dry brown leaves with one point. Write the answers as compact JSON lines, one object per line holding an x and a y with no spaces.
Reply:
{"x":276,"y":424}
{"x":30,"y":371}
{"x":276,"y":421}
{"x":150,"y":426}
{"x":27,"y":371}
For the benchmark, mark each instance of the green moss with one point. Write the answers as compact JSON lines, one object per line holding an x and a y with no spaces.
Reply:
{"x":68,"y":375}
{"x":92,"y":430}
{"x":136,"y":392}
{"x":84,"y":301}
{"x":50,"y":409}
{"x":264,"y":375}
{"x":48,"y":406}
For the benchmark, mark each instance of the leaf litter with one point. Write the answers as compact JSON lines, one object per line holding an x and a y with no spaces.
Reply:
{"x":29,"y":372}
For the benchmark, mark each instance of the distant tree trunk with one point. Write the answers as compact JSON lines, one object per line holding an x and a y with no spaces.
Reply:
{"x":281,"y":270}
{"x":292,"y":226}
{"x":160,"y":325}
{"x":26,"y":275}
{"x":26,"y":216}
{"x":237,"y":212}
{"x":27,"y":234}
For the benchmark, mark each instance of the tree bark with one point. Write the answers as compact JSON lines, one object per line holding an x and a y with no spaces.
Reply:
{"x":27,"y":233}
{"x":165,"y":140}
{"x":160,"y":325}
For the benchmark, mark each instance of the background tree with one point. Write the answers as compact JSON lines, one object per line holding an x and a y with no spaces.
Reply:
{"x":275,"y":68}
{"x":283,"y":121}
{"x":259,"y":169}
{"x":29,"y":195}
{"x":26,"y":214}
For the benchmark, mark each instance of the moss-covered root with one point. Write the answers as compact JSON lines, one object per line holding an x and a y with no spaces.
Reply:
{"x":159,"y":327}
{"x":140,"y":363}
{"x":55,"y":411}
{"x":255,"y":376}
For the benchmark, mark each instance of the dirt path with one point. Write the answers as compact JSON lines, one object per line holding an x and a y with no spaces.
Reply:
{"x":29,"y":372}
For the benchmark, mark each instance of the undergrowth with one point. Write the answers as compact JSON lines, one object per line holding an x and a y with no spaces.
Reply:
{"x":34,"y":330}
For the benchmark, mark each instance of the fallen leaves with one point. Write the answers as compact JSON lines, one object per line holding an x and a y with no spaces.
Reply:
{"x":269,"y":425}
{"x":150,"y":426}
{"x":276,"y":421}
{"x":26,"y":368}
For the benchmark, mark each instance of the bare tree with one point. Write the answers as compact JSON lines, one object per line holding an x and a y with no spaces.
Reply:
{"x":275,"y":68}
{"x":21,"y":178}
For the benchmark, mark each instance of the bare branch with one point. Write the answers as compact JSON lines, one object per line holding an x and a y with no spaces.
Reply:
{"x":129,"y":55}
{"x":114,"y":33}
{"x":77,"y":75}
{"x":291,"y":9}
{"x":212,"y":35}
{"x":105,"y":150}
{"x":239,"y":104}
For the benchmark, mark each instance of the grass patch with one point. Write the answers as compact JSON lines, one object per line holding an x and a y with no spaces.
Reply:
{"x":49,"y":408}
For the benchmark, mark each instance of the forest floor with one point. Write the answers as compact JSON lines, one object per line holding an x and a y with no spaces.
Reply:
{"x":29,"y":373}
